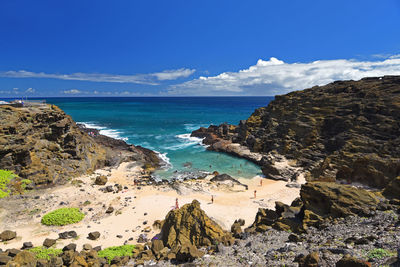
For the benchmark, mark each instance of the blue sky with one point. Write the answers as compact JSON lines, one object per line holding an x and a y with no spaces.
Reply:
{"x":187,"y":47}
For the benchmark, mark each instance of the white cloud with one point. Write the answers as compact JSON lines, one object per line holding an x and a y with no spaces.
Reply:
{"x":277,"y":77}
{"x":150,"y":78}
{"x":72,"y":92}
{"x":30,"y":90}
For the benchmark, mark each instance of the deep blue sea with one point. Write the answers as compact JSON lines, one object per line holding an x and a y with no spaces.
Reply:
{"x":164,"y":124}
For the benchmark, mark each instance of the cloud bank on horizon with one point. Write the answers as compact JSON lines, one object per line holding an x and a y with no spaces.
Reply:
{"x":274,"y":76}
{"x":149,"y":79}
{"x":265,"y":78}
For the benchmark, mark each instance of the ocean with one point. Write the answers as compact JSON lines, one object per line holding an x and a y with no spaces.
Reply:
{"x":164,"y":124}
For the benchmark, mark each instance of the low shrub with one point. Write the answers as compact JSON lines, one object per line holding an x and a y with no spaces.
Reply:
{"x":120,"y":251}
{"x":5,"y":179}
{"x":63,"y":216}
{"x":45,"y":253}
{"x":378,"y":253}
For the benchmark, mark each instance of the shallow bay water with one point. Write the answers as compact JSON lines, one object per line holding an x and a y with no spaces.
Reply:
{"x":164,"y":124}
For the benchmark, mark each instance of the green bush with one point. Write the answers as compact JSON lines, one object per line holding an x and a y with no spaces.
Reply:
{"x":120,"y":251}
{"x":5,"y":178}
{"x":378,"y":253}
{"x":45,"y":253}
{"x":63,"y":216}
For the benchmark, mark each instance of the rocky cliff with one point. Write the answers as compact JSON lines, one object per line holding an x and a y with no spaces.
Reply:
{"x":346,"y":130}
{"x":45,"y":145}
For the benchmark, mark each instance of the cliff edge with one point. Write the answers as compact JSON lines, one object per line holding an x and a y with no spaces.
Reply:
{"x":45,"y":145}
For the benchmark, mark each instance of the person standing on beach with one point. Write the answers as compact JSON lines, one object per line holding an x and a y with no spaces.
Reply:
{"x":176,"y":204}
{"x":255,"y":192}
{"x":261,"y":182}
{"x":212,"y":199}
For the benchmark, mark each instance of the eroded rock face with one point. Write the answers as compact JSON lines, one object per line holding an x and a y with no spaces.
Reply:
{"x":346,"y":130}
{"x":320,"y":202}
{"x":46,"y":146}
{"x":190,"y":225}
{"x":335,"y":200}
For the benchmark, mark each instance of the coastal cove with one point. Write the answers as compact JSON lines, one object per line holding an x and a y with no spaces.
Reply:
{"x":164,"y":124}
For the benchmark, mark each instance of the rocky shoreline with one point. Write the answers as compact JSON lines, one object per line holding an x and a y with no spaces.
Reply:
{"x":336,"y":146}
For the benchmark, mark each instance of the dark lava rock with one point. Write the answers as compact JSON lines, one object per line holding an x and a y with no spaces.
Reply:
{"x":48,"y":242}
{"x":7,"y":235}
{"x":101,"y":180}
{"x":110,"y":209}
{"x":13,"y":252}
{"x":4,"y":259}
{"x":27,"y":245}
{"x":70,"y":247}
{"x":348,"y":261}
{"x":67,"y":235}
{"x":93,"y":235}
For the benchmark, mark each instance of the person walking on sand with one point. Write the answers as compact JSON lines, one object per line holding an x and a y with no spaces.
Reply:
{"x":255,"y":192}
{"x":176,"y":204}
{"x":212,"y":199}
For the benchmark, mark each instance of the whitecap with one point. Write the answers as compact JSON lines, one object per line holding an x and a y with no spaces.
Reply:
{"x":191,"y":140}
{"x":104,"y":130}
{"x":166,"y":163}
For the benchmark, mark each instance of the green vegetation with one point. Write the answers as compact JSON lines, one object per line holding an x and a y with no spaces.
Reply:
{"x":63,"y":216}
{"x":379,"y":253}
{"x":5,"y":179}
{"x":45,"y":253}
{"x":120,"y":251}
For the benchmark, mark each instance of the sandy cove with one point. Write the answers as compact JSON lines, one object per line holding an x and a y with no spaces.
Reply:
{"x":135,"y":208}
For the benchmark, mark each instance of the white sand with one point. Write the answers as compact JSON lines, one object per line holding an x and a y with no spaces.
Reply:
{"x":230,"y":203}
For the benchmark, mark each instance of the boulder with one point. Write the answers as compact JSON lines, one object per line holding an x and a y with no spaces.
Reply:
{"x":349,"y":261}
{"x":4,"y":259}
{"x":67,"y":235}
{"x":335,"y":200}
{"x":101,"y":180}
{"x":265,"y":218}
{"x":236,"y":229}
{"x":26,"y":259}
{"x":188,"y":252}
{"x":93,"y":235}
{"x":7,"y":235}
{"x":48,"y":242}
{"x":311,"y":260}
{"x":190,"y":225}
{"x":69,"y":247}
{"x":109,"y":210}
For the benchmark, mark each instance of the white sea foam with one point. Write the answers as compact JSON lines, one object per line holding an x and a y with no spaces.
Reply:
{"x":166,"y":164}
{"x":104,"y":130}
{"x":191,"y":140}
{"x":192,"y":126}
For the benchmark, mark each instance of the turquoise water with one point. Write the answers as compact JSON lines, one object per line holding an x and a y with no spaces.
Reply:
{"x":164,"y":125}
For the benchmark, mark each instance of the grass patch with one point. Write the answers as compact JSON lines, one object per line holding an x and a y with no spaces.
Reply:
{"x":45,"y":253}
{"x":63,"y":216}
{"x":379,"y":253}
{"x":120,"y":251}
{"x":5,"y":179}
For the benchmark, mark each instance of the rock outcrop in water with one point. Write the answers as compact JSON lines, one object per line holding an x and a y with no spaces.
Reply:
{"x":346,"y":130}
{"x":45,"y":145}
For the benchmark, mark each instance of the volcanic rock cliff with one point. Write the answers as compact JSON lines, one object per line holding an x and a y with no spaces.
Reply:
{"x":346,"y":130}
{"x":45,"y":145}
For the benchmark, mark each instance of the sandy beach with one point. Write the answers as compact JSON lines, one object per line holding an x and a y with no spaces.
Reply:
{"x":135,"y":207}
